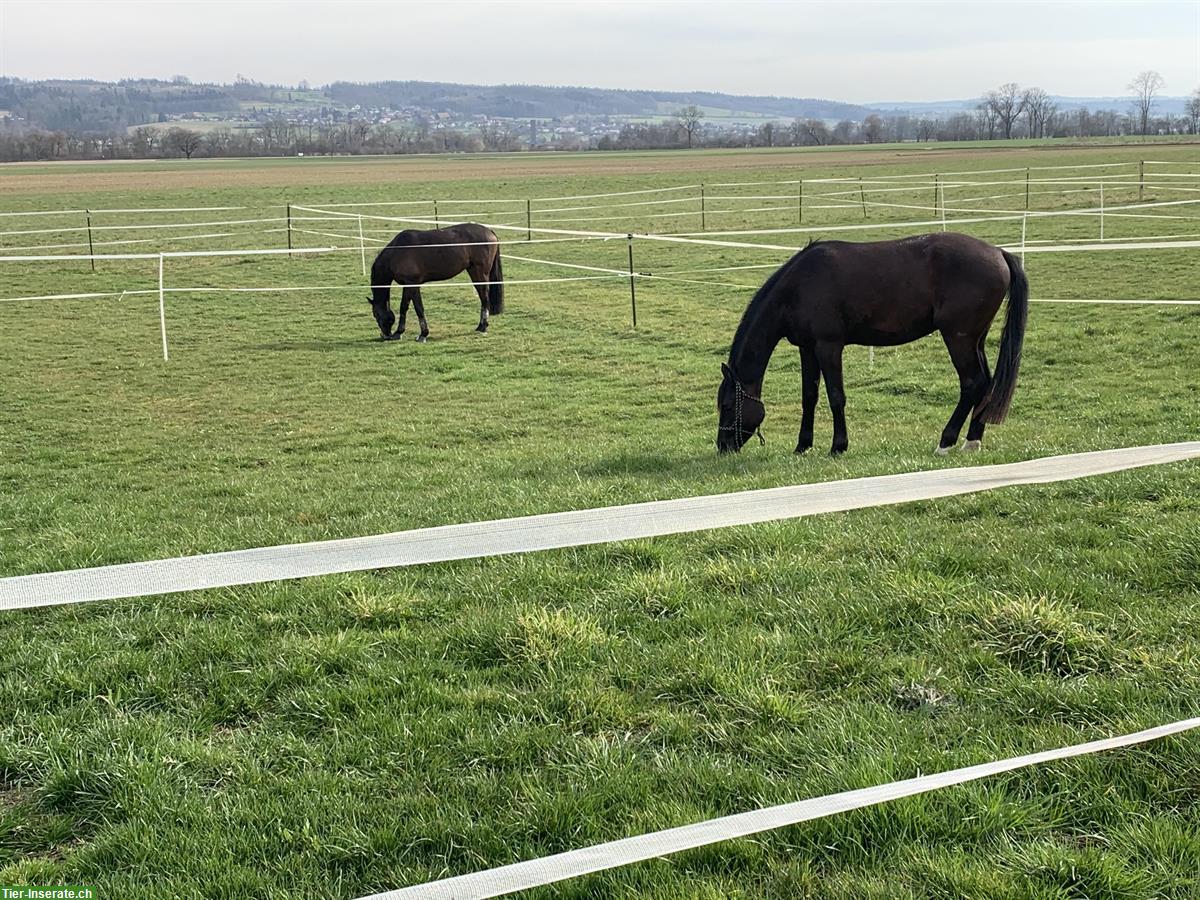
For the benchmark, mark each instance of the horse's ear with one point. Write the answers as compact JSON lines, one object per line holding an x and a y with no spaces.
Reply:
{"x":727,"y":372}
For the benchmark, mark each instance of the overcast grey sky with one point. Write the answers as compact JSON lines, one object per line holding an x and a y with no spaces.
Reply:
{"x":853,"y":51}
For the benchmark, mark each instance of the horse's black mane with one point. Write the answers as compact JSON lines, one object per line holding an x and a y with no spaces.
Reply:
{"x":760,"y":296}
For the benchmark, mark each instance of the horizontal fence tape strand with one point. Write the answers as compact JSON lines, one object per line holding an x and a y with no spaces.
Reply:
{"x":610,"y":274}
{"x":158,"y":226}
{"x":1117,"y":302}
{"x":614,"y":854}
{"x":1068,"y":248}
{"x":558,"y":530}
{"x":170,"y":254}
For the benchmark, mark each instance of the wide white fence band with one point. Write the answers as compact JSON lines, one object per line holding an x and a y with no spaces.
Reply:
{"x":614,"y":854}
{"x":557,"y":530}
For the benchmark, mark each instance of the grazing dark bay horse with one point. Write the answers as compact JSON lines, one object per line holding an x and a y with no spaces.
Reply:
{"x":414,"y":257}
{"x":834,"y":293}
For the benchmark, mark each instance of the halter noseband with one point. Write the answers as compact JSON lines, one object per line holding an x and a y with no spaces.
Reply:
{"x":737,"y":427}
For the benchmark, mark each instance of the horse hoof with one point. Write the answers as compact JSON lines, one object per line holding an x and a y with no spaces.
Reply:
{"x":422,"y":338}
{"x":943,"y":451}
{"x":972,"y":446}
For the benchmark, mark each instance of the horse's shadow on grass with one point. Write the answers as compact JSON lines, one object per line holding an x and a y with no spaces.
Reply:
{"x":647,"y":464}
{"x":329,"y":346}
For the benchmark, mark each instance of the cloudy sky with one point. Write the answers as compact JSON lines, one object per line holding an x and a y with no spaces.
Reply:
{"x":853,"y":51}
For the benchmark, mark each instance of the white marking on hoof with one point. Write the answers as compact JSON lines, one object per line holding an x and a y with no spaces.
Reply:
{"x":972,"y":446}
{"x":942,"y":451}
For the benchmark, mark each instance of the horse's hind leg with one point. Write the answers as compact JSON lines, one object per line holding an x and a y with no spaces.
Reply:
{"x":829,"y":357}
{"x":975,"y":431}
{"x":420,"y":309}
{"x":972,"y":385}
{"x":482,"y":290}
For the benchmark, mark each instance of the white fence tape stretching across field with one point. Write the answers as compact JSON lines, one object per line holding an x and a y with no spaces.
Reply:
{"x":601,"y":857}
{"x":556,"y":530}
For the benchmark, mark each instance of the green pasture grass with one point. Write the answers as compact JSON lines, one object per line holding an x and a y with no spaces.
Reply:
{"x":338,"y":735}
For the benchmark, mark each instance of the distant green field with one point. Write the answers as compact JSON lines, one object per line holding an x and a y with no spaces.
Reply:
{"x":340,"y":735}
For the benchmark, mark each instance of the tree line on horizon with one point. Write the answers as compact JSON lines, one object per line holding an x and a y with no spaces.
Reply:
{"x":1007,"y":112}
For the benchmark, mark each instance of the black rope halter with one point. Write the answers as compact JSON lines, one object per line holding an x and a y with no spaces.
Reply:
{"x":737,"y":427}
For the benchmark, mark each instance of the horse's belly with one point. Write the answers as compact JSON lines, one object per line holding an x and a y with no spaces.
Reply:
{"x":889,"y":337}
{"x":887,"y":324}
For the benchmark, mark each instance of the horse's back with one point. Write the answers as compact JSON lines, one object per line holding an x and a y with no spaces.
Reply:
{"x":893,"y":292}
{"x":414,"y":257}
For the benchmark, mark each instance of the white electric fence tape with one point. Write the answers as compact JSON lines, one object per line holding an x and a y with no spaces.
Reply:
{"x":614,"y":854}
{"x":557,"y":530}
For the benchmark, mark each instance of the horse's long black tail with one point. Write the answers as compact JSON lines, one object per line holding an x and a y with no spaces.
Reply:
{"x":496,"y":288}
{"x":995,"y":404}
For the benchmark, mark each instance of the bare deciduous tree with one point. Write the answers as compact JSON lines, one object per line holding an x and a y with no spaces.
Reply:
{"x":845,"y":132}
{"x":1193,"y":110}
{"x":1037,"y":107}
{"x":689,"y":120}
{"x":143,"y":140}
{"x":220,"y":141}
{"x":1145,"y":87}
{"x":1006,"y":103}
{"x":183,"y":141}
{"x":809,"y":131}
{"x":986,"y":115}
{"x":872,"y":129}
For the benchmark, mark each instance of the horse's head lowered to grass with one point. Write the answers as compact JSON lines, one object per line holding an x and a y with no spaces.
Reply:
{"x":381,"y":306}
{"x":739,"y":413}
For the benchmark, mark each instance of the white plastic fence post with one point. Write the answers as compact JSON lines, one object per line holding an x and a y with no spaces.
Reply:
{"x":362,"y":247}
{"x":1024,"y":222}
{"x":162,"y":309}
{"x":943,"y":206}
{"x":1101,"y":210}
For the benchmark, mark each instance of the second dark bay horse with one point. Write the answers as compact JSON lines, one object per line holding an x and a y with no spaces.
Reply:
{"x":883,"y":293}
{"x":413,"y":258}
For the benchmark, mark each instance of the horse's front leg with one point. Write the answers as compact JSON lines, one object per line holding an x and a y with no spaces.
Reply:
{"x":420,"y":308}
{"x":810,"y":379}
{"x":405,"y":299}
{"x":829,"y":357}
